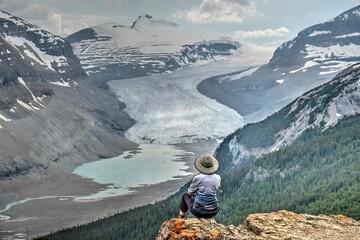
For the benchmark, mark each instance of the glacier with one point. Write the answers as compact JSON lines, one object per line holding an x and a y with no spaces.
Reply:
{"x":169,"y":109}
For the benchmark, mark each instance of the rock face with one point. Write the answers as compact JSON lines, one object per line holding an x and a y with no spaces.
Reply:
{"x":312,"y":58}
{"x":150,"y":46}
{"x":277,"y":225}
{"x":31,"y":59}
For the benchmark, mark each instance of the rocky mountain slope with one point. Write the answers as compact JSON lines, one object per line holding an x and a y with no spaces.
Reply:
{"x":275,"y":225}
{"x":30,"y":57}
{"x":50,"y":114}
{"x":319,"y":108}
{"x":312,"y":58}
{"x":150,"y":46}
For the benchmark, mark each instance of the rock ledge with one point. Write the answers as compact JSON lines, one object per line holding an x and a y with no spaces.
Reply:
{"x":277,"y":225}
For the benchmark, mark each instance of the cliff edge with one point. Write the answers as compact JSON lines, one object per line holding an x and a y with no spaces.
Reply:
{"x":277,"y":225}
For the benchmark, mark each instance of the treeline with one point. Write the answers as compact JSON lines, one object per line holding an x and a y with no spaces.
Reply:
{"x":317,"y":174}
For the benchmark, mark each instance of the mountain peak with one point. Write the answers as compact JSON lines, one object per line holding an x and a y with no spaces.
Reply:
{"x":4,"y":14}
{"x":351,"y":14}
{"x":148,"y":20}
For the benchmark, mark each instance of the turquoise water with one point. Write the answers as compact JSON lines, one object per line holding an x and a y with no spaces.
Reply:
{"x":150,"y":165}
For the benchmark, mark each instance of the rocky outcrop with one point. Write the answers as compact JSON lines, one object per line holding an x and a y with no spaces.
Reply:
{"x":277,"y":225}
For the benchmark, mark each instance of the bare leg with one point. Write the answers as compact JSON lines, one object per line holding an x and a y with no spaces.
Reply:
{"x":182,"y":214}
{"x":185,"y":204}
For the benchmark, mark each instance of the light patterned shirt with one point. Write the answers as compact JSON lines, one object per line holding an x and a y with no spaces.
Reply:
{"x":205,"y":187}
{"x":205,"y":184}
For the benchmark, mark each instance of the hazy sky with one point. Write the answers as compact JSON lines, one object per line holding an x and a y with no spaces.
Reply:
{"x":263,"y":22}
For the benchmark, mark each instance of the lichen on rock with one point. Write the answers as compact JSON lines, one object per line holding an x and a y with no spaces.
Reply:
{"x":277,"y":225}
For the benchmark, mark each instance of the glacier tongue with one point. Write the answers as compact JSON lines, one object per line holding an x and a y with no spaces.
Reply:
{"x":169,"y":109}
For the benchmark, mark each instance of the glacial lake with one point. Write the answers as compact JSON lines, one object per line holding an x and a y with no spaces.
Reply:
{"x":150,"y":164}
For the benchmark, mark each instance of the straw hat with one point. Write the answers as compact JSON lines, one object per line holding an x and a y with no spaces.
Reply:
{"x":206,"y":164}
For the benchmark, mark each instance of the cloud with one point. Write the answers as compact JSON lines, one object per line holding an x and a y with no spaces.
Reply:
{"x":35,"y":12}
{"x":44,"y":14}
{"x":109,"y":3}
{"x":280,"y":32}
{"x":253,"y":54}
{"x":72,"y":23}
{"x":28,"y":9}
{"x":58,"y":22}
{"x":219,"y":11}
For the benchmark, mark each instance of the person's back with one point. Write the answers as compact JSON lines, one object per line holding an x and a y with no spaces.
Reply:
{"x":205,"y":187}
{"x":201,"y":197}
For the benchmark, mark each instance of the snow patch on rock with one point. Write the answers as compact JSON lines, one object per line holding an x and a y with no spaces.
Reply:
{"x":315,"y":33}
{"x":2,"y":117}
{"x":35,"y":53}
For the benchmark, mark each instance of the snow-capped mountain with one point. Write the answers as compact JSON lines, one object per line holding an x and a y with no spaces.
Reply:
{"x":31,"y":59}
{"x":112,"y":51}
{"x":312,"y":58}
{"x":319,"y":108}
{"x":330,"y":46}
{"x":37,"y":46}
{"x":48,"y":114}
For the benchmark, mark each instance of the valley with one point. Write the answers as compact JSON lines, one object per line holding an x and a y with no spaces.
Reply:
{"x":65,"y":200}
{"x":35,"y":204}
{"x":111,"y":117}
{"x":169,"y":109}
{"x":58,"y":121}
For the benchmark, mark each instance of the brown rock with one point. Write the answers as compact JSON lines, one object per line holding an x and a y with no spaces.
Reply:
{"x":282,"y":225}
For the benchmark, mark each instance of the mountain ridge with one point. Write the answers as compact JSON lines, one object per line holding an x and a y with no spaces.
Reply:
{"x":314,"y":109}
{"x":309,"y":60}
{"x":150,"y":46}
{"x":37,"y":58}
{"x":149,"y":19}
{"x":323,"y":33}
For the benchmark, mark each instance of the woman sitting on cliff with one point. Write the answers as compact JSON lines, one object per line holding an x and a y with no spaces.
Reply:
{"x":201,"y":197}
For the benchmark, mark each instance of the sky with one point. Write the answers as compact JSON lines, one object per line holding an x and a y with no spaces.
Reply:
{"x":266,"y":23}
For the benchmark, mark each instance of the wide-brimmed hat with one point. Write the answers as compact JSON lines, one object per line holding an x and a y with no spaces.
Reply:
{"x":206,"y":164}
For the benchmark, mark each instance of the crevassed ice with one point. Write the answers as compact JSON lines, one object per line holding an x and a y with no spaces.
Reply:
{"x":169,"y":109}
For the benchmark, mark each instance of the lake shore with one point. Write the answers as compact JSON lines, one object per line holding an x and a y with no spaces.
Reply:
{"x":39,"y":217}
